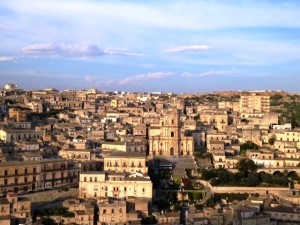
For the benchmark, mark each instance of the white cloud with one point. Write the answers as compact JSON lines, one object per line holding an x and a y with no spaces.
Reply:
{"x":121,"y":52}
{"x":148,"y":76}
{"x":188,"y":48}
{"x":88,"y":79}
{"x":208,"y":73}
{"x":73,"y":51}
{"x":7,"y":58}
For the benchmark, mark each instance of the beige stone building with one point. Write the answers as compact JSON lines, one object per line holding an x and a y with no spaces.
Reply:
{"x":255,"y":103}
{"x":17,"y":114}
{"x":112,"y":212}
{"x":24,"y":176}
{"x":11,"y":135}
{"x":289,"y":135}
{"x":287,"y":214}
{"x":14,"y":210}
{"x":125,"y":146}
{"x":83,"y":211}
{"x":218,"y":119}
{"x":253,"y":135}
{"x":129,"y":162}
{"x":168,"y":140}
{"x":110,"y":184}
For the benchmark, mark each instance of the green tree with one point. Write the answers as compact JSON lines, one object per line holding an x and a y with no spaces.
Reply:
{"x":197,"y":117}
{"x":271,"y":141}
{"x":48,"y":221}
{"x":149,"y":220}
{"x":246,"y":166}
{"x":249,"y":145}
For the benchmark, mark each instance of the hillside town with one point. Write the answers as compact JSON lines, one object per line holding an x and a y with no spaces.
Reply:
{"x":93,"y":157}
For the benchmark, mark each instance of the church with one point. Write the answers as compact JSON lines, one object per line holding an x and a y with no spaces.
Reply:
{"x":168,"y":139}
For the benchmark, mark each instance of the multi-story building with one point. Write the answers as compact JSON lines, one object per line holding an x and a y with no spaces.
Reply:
{"x":129,"y":162}
{"x":125,"y":146}
{"x":14,"y":210}
{"x":112,"y":212}
{"x":84,"y":211}
{"x":94,"y":184}
{"x":255,"y":103}
{"x":17,"y":114}
{"x":24,"y":176}
{"x":168,"y":140}
{"x":218,"y":119}
{"x":11,"y":135}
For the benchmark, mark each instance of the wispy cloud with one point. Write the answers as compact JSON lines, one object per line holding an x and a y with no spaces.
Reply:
{"x":121,"y":52}
{"x":73,"y":51}
{"x":209,"y":73}
{"x":188,"y":48}
{"x":88,"y":79}
{"x":7,"y":58}
{"x":148,"y":76}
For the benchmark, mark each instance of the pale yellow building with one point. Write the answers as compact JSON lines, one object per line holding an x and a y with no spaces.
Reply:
{"x":114,"y":103}
{"x":129,"y":162}
{"x":255,"y":103}
{"x":125,"y":146}
{"x":11,"y":135}
{"x":288,"y":135}
{"x":110,"y":184}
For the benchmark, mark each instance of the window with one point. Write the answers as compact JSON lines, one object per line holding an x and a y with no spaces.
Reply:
{"x":104,"y":211}
{"x":91,"y":179}
{"x":5,"y":172}
{"x":112,"y":211}
{"x":25,"y":179}
{"x":16,"y":180}
{"x":95,"y":179}
{"x":16,"y":172}
{"x":172,"y":134}
{"x":34,"y":170}
{"x":25,"y":171}
{"x":84,"y":179}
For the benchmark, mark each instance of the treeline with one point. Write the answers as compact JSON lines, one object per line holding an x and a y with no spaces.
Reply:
{"x":290,"y":108}
{"x":223,"y":177}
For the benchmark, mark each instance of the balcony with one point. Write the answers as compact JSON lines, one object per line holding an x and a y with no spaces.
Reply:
{"x":18,"y":175}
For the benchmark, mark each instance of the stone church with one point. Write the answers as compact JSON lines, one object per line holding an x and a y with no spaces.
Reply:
{"x":168,"y":139}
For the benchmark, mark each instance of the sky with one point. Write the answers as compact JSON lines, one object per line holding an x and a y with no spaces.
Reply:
{"x":183,"y":46}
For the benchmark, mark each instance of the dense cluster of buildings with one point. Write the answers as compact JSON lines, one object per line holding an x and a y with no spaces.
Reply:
{"x":101,"y":143}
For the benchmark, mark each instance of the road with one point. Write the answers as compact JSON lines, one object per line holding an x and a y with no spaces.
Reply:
{"x":208,"y":192}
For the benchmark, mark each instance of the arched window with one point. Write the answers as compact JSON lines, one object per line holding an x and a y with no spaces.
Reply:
{"x":172,"y":122}
{"x":172,"y":133}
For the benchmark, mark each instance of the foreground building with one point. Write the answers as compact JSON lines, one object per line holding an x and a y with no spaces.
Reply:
{"x":95,"y":184}
{"x":24,"y":176}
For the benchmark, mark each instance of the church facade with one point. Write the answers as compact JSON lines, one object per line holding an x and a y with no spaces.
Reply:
{"x":170,"y":139}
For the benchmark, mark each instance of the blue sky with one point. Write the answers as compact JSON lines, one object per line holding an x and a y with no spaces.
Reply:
{"x":170,"y":46}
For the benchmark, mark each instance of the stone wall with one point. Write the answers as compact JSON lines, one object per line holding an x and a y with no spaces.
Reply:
{"x":40,"y":199}
{"x":260,"y":190}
